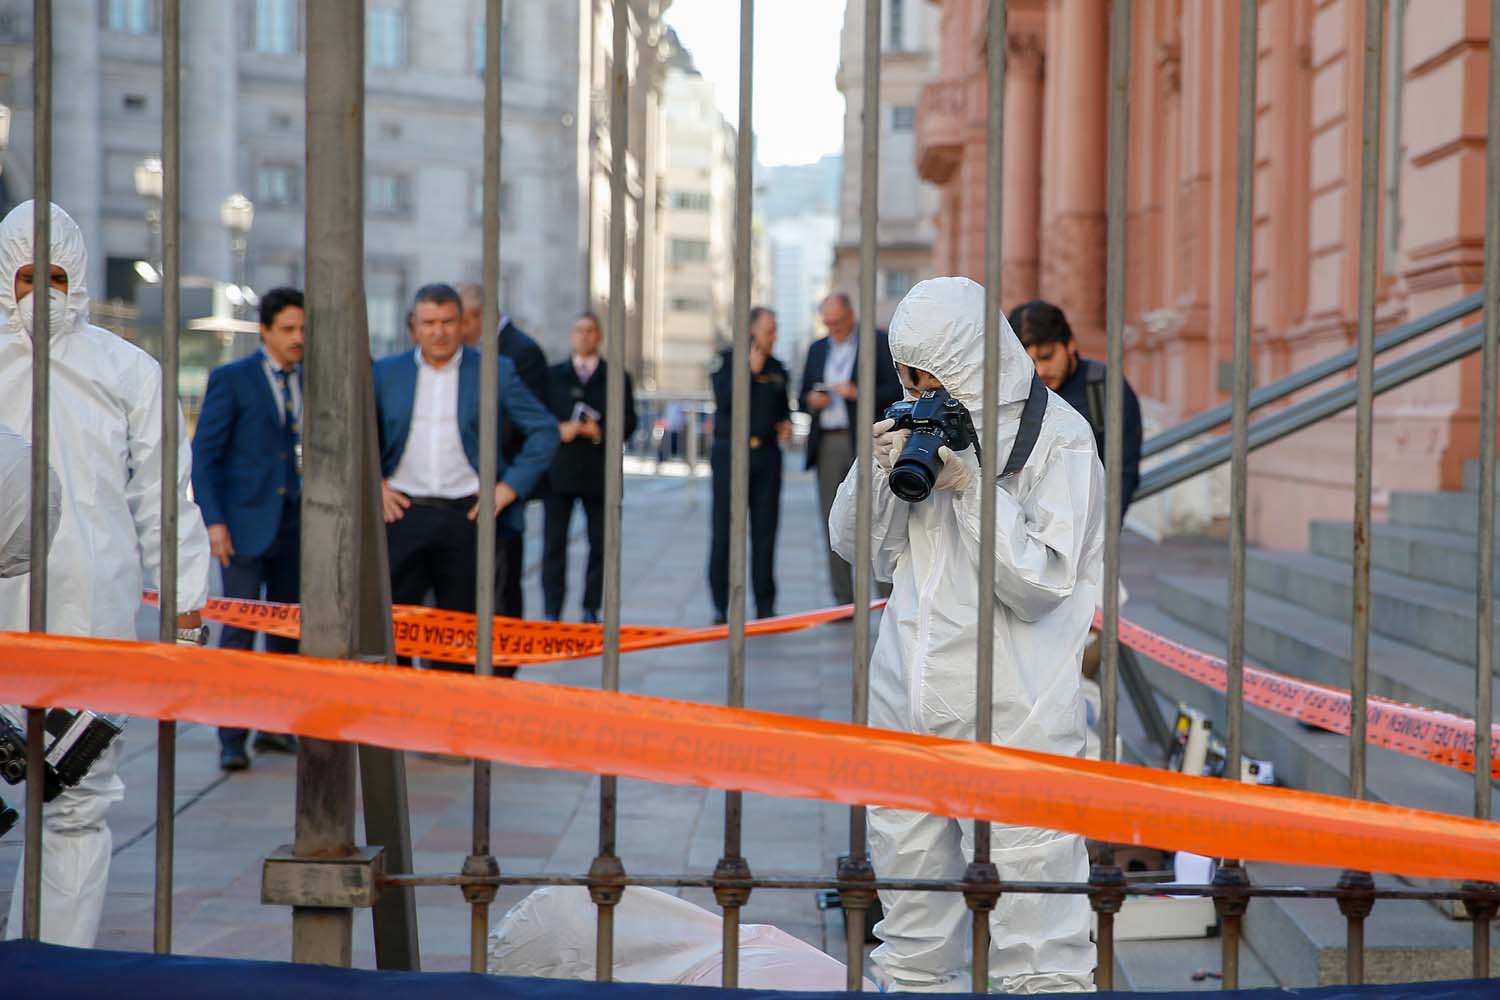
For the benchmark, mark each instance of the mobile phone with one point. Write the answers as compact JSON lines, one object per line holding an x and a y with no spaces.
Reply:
{"x":820,"y":387}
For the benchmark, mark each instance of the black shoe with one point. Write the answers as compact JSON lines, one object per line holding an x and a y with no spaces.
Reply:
{"x":275,"y":743}
{"x":720,"y":618}
{"x":765,"y":613}
{"x":590,"y":618}
{"x":233,"y":760}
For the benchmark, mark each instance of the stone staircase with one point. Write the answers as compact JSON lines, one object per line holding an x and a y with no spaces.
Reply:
{"x":1298,"y":611}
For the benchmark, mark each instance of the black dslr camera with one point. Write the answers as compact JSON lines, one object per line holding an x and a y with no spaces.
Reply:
{"x":935,"y":419}
{"x":75,"y":741}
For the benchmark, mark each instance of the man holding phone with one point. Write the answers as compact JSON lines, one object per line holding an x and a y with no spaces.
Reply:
{"x":577,"y":397}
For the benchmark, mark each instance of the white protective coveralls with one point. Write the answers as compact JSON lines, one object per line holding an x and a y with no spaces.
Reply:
{"x":15,"y":504}
{"x":1048,"y":565}
{"x":105,"y":447}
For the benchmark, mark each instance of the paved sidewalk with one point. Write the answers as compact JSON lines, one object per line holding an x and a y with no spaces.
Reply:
{"x":545,"y":821}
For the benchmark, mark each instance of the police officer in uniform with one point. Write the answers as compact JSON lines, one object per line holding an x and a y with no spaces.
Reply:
{"x":770,"y":425}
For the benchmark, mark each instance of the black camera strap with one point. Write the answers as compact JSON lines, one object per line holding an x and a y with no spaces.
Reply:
{"x":1031,"y":427}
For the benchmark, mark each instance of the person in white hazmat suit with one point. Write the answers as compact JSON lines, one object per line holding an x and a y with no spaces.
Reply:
{"x":15,"y":504}
{"x":106,"y":449}
{"x":1048,"y":566}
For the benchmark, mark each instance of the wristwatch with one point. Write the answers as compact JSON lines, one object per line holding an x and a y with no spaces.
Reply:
{"x":193,"y":636}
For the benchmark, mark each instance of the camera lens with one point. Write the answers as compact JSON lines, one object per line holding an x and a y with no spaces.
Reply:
{"x":911,"y":482}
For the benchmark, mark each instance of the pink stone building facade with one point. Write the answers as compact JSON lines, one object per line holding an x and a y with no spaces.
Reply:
{"x":1179,"y":309}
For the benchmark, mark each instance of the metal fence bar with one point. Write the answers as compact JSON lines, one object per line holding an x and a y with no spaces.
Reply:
{"x":857,"y":903}
{"x":1484,"y":659}
{"x":41,"y":366}
{"x":1231,"y":910}
{"x":1106,"y":874}
{"x":1355,"y":910}
{"x":733,"y":863}
{"x":982,"y":871}
{"x":1312,"y":374}
{"x":171,"y":326}
{"x":335,"y":415}
{"x":800,"y":884}
{"x":607,"y":869}
{"x":480,"y":856}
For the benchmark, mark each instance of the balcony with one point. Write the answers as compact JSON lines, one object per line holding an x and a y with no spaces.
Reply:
{"x":942,"y":118}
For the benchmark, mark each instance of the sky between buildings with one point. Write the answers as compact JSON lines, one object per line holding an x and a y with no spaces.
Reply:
{"x":799,"y":113}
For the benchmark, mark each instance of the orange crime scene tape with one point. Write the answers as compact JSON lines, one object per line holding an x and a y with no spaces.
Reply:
{"x":1425,"y":733}
{"x":544,"y":725}
{"x":450,"y":635}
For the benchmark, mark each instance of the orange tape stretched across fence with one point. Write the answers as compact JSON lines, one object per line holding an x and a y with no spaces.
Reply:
{"x":449,"y":635}
{"x":1427,"y":733}
{"x":544,"y":725}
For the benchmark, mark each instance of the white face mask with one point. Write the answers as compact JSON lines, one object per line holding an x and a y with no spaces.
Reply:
{"x":57,"y":311}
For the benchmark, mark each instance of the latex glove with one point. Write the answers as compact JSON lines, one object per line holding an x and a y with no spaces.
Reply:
{"x":958,"y":471}
{"x":888,"y":443}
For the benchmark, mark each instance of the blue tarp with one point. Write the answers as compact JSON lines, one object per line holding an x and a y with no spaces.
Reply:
{"x":47,"y":972}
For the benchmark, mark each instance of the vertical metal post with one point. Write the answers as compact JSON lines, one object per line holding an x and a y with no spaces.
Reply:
{"x":41,"y":366}
{"x":171,"y":325}
{"x":607,"y":865}
{"x":1484,"y":660}
{"x":480,"y":860}
{"x":645,"y":54}
{"x":733,"y":864}
{"x":1106,"y":875}
{"x":864,"y":416}
{"x":1231,"y":910}
{"x":335,"y":473}
{"x":982,"y":870}
{"x":1356,"y":908}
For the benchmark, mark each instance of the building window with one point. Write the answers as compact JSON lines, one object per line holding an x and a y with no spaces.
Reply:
{"x":896,"y":19}
{"x":276,"y":185}
{"x":691,"y":201}
{"x":689,"y":251}
{"x":689,"y":305}
{"x":131,"y":17}
{"x":902,"y":117}
{"x":276,"y":27}
{"x":897,"y":284}
{"x":386,"y":35}
{"x":507,"y":214}
{"x":386,"y":194}
{"x":385,"y":318}
{"x":481,"y":47}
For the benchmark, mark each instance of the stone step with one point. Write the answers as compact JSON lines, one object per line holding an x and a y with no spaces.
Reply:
{"x":1290,"y":638}
{"x":1443,"y":557}
{"x":1445,"y":511}
{"x":1413,"y":940}
{"x":1471,"y":475}
{"x":1439,"y":619}
{"x":1169,"y":965}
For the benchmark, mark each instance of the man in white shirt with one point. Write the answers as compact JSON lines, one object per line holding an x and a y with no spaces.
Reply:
{"x":830,"y":394}
{"x":428,"y":414}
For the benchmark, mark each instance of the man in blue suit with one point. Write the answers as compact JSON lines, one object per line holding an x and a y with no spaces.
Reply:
{"x":247,"y":479}
{"x":428,"y":415}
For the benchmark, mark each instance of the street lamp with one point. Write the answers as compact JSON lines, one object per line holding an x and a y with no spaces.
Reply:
{"x":238,"y":215}
{"x":148,"y":184}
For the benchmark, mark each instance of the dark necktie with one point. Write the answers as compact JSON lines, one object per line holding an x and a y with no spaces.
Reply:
{"x":291,"y":432}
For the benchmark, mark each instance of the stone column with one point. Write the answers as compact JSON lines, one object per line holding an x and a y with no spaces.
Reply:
{"x":1023,"y":170}
{"x":77,"y":152}
{"x":210,"y":134}
{"x":1073,"y":236}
